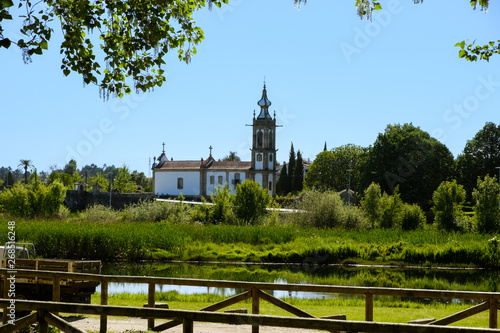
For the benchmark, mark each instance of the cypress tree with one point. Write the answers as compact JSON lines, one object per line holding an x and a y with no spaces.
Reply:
{"x":291,"y":169}
{"x":281,"y":186}
{"x":298,"y":174}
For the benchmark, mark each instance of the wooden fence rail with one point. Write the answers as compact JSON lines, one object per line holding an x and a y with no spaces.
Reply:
{"x":45,"y":309}
{"x":255,"y":291}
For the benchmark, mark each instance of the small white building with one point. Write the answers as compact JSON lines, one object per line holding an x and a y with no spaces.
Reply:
{"x":200,"y":178}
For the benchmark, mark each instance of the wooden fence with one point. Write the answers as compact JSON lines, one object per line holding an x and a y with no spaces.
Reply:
{"x":254,"y":291}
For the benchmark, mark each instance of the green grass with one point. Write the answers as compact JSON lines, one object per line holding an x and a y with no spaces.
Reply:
{"x":389,"y":310}
{"x":132,"y":241}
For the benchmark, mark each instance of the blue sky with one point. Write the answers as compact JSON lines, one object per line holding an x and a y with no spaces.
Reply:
{"x":330,"y":76}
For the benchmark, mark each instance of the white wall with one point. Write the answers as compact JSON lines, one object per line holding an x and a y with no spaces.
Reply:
{"x":166,"y":182}
{"x":259,"y":165}
{"x":226,"y":177}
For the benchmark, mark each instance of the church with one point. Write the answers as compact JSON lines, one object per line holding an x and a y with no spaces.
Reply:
{"x":200,"y":178}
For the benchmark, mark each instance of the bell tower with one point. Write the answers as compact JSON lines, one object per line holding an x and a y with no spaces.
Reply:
{"x":263,"y":169}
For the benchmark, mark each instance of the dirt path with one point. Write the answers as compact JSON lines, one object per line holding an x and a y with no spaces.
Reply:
{"x":136,"y":324}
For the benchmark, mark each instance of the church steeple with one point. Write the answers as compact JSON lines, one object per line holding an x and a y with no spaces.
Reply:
{"x":264,"y":104}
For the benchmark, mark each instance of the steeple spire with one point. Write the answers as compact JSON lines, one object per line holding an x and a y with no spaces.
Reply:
{"x":264,"y":104}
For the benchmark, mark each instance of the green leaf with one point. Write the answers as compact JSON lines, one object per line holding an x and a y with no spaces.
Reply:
{"x":6,"y":3}
{"x":66,"y":72}
{"x":377,"y":6}
{"x":5,"y":43}
{"x":44,"y":45}
{"x":461,"y":44}
{"x":462,"y":53}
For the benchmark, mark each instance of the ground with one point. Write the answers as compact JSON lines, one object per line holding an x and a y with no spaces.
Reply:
{"x":137,"y":324}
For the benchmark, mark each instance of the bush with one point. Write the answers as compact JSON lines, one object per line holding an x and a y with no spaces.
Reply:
{"x":153,"y":211}
{"x":487,"y":205}
{"x":320,"y":210}
{"x":412,"y":217}
{"x":371,"y":203}
{"x":251,"y":201}
{"x":221,"y":211}
{"x":390,"y":208}
{"x":353,"y":218}
{"x":100,"y":213}
{"x":34,"y":200}
{"x":448,"y":199}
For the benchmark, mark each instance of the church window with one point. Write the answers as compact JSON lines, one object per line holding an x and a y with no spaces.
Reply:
{"x":259,"y":157}
{"x":220,"y":178}
{"x":270,"y":157}
{"x":270,"y":186}
{"x":260,"y":139}
{"x":212,"y":180}
{"x":180,"y":183}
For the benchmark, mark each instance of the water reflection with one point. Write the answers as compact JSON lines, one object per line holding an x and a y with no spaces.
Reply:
{"x":419,"y":278}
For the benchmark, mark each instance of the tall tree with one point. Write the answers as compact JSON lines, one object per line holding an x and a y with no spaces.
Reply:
{"x":25,"y":164}
{"x":123,"y":182}
{"x":480,"y":157}
{"x":291,"y":168}
{"x":282,"y":184}
{"x":329,"y":169}
{"x":70,"y":167}
{"x":298,"y":173}
{"x":407,"y":156}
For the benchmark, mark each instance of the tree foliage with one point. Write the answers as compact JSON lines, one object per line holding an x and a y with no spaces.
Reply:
{"x":25,"y":164}
{"x":123,"y":181}
{"x":407,"y":157}
{"x":133,"y":36}
{"x":329,"y":170}
{"x":487,"y":201}
{"x":448,"y":200}
{"x":480,"y":156}
{"x":251,"y":201}
{"x":33,"y":200}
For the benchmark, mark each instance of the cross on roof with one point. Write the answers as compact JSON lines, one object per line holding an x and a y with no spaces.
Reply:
{"x":210,"y":150}
{"x":164,"y":147}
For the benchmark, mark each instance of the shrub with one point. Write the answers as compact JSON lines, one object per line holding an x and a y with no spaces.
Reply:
{"x":412,"y":217}
{"x":353,"y":218}
{"x":35,"y":200}
{"x":487,"y":205}
{"x":251,"y":201}
{"x":447,"y":200}
{"x":390,"y":208}
{"x":100,"y":213}
{"x":320,"y":210}
{"x":153,"y":211}
{"x":371,"y":203}
{"x":221,"y":210}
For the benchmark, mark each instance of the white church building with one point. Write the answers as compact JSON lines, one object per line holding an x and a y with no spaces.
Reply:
{"x":200,"y":178}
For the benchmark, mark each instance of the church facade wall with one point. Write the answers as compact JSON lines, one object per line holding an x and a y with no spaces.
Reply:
{"x":177,"y":182}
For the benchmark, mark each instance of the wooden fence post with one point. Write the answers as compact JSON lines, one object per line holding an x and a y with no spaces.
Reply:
{"x":151,"y":304}
{"x":104,"y":301}
{"x":43,"y":326}
{"x":56,"y":289}
{"x":255,"y":308}
{"x":369,"y":307}
{"x":187,"y":326}
{"x":493,"y":313}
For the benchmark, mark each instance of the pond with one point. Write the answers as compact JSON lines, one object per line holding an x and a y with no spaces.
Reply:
{"x":369,"y":276}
